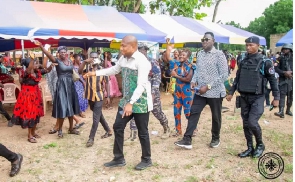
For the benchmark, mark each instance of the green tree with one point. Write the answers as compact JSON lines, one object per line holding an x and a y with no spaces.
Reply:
{"x":181,"y":7}
{"x":232,"y":23}
{"x":277,"y":18}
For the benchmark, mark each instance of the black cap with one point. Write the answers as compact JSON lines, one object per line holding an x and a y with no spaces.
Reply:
{"x":253,"y":39}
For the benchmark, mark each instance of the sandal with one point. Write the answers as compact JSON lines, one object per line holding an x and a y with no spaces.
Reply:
{"x":77,"y":126}
{"x":36,"y":136}
{"x":52,"y":131}
{"x":60,"y":135}
{"x":74,"y":131}
{"x":32,"y":140}
{"x":106,"y":135}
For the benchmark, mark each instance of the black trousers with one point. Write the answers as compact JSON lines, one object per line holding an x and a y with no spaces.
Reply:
{"x":283,"y":93}
{"x":4,"y":113}
{"x":7,"y":154}
{"x":252,"y":107}
{"x":141,"y":121}
{"x":196,"y":109}
{"x":98,"y":117}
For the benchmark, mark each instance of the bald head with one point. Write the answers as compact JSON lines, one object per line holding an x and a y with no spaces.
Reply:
{"x":128,"y":46}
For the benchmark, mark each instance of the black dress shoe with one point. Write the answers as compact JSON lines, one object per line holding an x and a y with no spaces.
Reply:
{"x":16,"y":165}
{"x":114,"y":163}
{"x":143,"y":165}
{"x":289,"y":113}
{"x":258,"y":150}
{"x":247,"y":153}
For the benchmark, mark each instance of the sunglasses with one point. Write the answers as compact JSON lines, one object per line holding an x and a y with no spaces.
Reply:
{"x":205,"y":39}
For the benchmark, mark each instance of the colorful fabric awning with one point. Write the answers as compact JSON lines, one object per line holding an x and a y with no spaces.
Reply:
{"x":42,"y":20}
{"x":286,"y":39}
{"x":184,"y":29}
{"x":69,"y":21}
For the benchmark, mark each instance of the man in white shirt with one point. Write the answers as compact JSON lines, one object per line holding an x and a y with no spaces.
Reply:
{"x":136,"y":102}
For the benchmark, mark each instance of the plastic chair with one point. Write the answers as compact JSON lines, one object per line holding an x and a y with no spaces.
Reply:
{"x":9,"y":93}
{"x":46,"y":95}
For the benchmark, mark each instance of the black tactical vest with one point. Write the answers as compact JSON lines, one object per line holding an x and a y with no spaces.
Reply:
{"x":251,"y":80}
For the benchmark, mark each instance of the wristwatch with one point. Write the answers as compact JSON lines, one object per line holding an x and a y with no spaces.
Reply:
{"x":209,"y":87}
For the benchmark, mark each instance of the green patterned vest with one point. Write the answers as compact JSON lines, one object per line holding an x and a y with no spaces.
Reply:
{"x":129,"y":84}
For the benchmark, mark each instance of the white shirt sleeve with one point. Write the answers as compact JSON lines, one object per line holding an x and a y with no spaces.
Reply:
{"x":109,"y":71}
{"x":144,"y":67}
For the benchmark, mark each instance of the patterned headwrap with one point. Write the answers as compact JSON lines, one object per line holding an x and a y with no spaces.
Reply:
{"x":61,"y":48}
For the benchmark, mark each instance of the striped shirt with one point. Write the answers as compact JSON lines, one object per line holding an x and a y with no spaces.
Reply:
{"x":94,"y":87}
{"x":212,"y":69}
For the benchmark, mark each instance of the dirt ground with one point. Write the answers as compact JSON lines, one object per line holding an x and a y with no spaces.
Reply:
{"x":67,"y":159}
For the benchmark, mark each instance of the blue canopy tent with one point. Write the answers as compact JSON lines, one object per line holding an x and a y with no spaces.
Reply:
{"x":288,"y":38}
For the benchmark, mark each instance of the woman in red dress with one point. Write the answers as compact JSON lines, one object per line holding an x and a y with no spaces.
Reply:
{"x":29,"y":106}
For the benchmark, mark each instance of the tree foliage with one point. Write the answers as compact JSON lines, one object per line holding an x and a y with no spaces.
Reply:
{"x":181,"y":7}
{"x":232,"y":23}
{"x":277,"y":18}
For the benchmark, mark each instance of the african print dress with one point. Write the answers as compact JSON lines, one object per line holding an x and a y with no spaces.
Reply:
{"x":29,"y":106}
{"x":183,"y":95}
{"x":83,"y":103}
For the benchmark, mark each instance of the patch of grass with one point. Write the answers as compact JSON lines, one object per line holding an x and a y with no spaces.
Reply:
{"x":231,"y":118}
{"x":37,"y":161}
{"x":155,"y":164}
{"x":210,"y":164}
{"x":284,"y":141}
{"x":289,"y":168}
{"x":52,"y":145}
{"x":130,"y":170}
{"x":156,"y":177}
{"x":187,"y":166}
{"x":199,"y":162}
{"x":248,"y":180}
{"x":209,"y":177}
{"x":155,"y":142}
{"x":192,"y":179}
{"x":289,"y":180}
{"x":230,"y":150}
{"x":95,"y":170}
{"x":166,"y":166}
{"x":35,"y":171}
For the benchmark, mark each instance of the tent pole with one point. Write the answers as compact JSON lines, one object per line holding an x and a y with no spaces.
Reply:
{"x":23,"y":48}
{"x":218,"y":45}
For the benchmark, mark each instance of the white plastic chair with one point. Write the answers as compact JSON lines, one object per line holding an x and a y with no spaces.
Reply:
{"x":9,"y":93}
{"x":46,"y":95}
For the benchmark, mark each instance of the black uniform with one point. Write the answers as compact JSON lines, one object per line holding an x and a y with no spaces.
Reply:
{"x":251,"y":82}
{"x":285,"y":63}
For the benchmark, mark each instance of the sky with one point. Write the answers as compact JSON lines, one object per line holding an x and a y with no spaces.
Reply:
{"x":239,"y":11}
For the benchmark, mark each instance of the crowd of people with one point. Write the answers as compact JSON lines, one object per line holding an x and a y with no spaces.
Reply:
{"x":76,"y":84}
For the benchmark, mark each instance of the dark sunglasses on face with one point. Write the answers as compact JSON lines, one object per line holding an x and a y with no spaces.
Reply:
{"x":205,"y":39}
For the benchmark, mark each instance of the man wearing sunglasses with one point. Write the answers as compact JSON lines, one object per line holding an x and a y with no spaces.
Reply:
{"x":209,"y":77}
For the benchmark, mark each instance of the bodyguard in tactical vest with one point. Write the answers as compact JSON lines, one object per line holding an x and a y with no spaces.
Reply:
{"x":251,"y":78}
{"x":284,"y":68}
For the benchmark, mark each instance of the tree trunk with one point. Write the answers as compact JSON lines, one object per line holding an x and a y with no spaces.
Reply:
{"x":110,"y":2}
{"x":137,"y":6}
{"x":171,"y":9}
{"x":215,"y":10}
